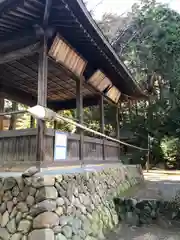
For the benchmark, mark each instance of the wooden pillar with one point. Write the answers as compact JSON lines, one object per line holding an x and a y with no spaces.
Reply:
{"x":12,"y":124}
{"x":55,"y":125}
{"x":118,"y":127}
{"x":42,"y":99}
{"x":117,"y":123}
{"x":79,"y":109}
{"x":1,"y":110}
{"x":32,"y":122}
{"x":148,"y":155}
{"x":129,"y":110}
{"x":121,"y":107}
{"x":136,"y":106}
{"x":102,"y":125}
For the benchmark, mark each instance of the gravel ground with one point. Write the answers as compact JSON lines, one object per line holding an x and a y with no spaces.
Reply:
{"x":152,"y":232}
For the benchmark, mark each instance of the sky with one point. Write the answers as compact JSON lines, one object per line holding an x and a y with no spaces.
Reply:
{"x":121,"y":6}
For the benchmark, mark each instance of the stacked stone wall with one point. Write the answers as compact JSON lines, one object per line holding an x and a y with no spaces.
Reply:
{"x":76,"y":206}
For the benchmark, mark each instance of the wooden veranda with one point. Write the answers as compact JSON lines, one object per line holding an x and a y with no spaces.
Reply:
{"x":53,"y":54}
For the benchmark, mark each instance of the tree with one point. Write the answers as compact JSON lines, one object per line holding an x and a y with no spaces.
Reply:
{"x":147,"y":39}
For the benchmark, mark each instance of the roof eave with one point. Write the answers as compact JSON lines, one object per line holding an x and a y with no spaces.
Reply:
{"x":123,"y":71}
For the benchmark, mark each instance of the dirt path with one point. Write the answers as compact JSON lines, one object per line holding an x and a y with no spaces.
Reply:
{"x":158,"y":185}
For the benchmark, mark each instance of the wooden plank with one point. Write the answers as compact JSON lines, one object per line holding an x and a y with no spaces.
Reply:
{"x":73,"y":149}
{"x":63,"y":53}
{"x":18,"y":133}
{"x":111,"y":144}
{"x":25,"y":132}
{"x":42,"y":100}
{"x":99,"y":81}
{"x":114,"y":94}
{"x":92,"y":151}
{"x":92,"y":140}
{"x":104,"y":84}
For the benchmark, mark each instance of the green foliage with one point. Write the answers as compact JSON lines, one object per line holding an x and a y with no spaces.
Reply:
{"x":148,"y":40}
{"x":170,"y":147}
{"x":64,"y":126}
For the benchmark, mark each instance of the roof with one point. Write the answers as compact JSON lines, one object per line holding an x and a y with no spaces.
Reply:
{"x":18,"y":21}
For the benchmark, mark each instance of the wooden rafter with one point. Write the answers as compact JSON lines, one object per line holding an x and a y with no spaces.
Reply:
{"x":47,"y":12}
{"x":18,"y":54}
{"x":21,"y":38}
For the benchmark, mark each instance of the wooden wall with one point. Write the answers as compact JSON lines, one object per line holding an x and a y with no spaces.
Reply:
{"x":18,"y":147}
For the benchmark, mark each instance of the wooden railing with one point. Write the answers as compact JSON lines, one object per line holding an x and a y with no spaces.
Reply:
{"x":18,"y":147}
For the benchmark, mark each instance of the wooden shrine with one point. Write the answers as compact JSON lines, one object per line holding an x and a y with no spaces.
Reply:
{"x":53,"y":54}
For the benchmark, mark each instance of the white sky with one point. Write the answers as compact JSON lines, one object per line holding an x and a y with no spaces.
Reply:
{"x":121,"y":6}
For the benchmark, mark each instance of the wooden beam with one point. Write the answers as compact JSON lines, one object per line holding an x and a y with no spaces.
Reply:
{"x":13,"y":42}
{"x":1,"y":110}
{"x":17,"y":95}
{"x":17,"y":40}
{"x":47,"y":12}
{"x":102,"y":125}
{"x":30,"y":100}
{"x":18,"y":54}
{"x":42,"y":99}
{"x":71,"y":104}
{"x":79,"y":109}
{"x":5,"y":5}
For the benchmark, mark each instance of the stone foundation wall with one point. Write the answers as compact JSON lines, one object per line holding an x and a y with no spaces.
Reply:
{"x":76,"y":206}
{"x":137,"y":212}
